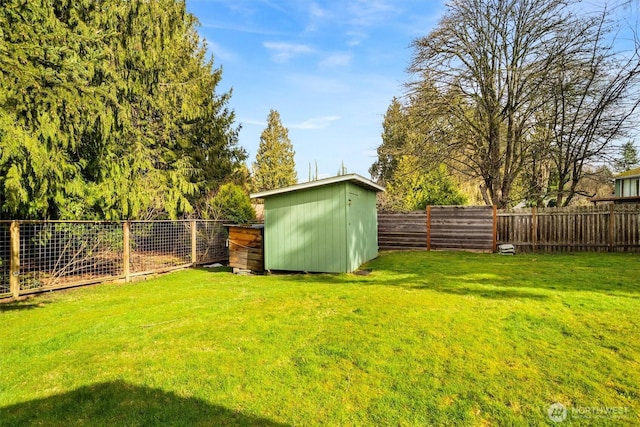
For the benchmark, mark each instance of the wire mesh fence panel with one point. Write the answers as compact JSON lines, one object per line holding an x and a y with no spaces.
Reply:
{"x":59,"y":254}
{"x":5,"y":253}
{"x":211,"y":242}
{"x":159,"y":245}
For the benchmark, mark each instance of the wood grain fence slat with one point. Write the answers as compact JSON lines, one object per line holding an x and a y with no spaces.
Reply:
{"x":402,"y":230}
{"x":439,"y":227}
{"x":613,"y":228}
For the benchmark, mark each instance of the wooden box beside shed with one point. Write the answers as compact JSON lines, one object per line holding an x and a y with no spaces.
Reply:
{"x":246,"y":247}
{"x":329,"y":225}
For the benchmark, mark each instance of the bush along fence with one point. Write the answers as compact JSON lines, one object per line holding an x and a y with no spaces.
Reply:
{"x":38,"y":256}
{"x":613,"y":228}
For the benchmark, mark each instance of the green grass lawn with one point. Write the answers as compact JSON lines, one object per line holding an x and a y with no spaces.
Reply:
{"x":426,"y":339}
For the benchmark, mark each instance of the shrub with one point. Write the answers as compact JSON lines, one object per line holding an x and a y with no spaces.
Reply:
{"x":231,"y":203}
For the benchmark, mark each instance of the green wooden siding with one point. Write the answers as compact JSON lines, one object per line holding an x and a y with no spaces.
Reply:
{"x":362,"y":226}
{"x":330,"y":229}
{"x":305,"y":230}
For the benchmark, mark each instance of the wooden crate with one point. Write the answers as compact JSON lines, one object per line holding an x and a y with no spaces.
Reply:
{"x":245,"y":247}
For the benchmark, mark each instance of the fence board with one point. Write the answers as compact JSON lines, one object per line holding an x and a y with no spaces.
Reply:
{"x":590,"y":228}
{"x":461,"y":227}
{"x":572,"y":229}
{"x":401,"y":231}
{"x":440,"y":227}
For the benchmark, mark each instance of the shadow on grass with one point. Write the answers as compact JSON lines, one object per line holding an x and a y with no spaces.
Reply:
{"x":610,"y":274}
{"x":533,"y":276}
{"x":118,"y":403}
{"x":21,"y":305}
{"x":222,"y":269}
{"x":451,"y":285}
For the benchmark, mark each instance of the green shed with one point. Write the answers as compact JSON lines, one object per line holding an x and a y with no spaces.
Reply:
{"x":329,"y":225}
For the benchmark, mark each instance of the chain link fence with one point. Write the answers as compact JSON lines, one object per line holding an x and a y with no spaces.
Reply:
{"x":58,"y":254}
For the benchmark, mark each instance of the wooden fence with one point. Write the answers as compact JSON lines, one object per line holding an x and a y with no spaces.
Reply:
{"x":402,"y":231}
{"x":613,"y":228}
{"x":439,"y":227}
{"x":461,"y":227}
{"x":38,"y":256}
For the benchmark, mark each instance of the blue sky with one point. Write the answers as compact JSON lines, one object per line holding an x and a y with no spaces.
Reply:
{"x":330,"y":68}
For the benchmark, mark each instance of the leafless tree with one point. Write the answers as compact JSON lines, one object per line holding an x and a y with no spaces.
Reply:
{"x":488,"y":76}
{"x":592,"y":95}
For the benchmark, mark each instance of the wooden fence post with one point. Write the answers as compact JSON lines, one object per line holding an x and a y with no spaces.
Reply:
{"x":534,"y":228}
{"x":611,"y":226}
{"x":494,"y":245}
{"x":428,"y":228}
{"x":126,"y":248}
{"x":194,"y":246}
{"x":14,"y":266}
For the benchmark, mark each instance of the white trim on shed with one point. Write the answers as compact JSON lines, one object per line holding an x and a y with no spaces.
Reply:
{"x":353,"y":178}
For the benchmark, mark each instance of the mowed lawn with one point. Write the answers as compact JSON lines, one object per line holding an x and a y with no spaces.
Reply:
{"x":432,"y":338}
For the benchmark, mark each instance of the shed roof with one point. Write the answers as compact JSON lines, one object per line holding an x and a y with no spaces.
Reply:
{"x":629,"y":174}
{"x":352,"y":178}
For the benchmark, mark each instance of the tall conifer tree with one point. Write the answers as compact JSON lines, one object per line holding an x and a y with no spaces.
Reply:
{"x":108,"y":110}
{"x":274,"y":166}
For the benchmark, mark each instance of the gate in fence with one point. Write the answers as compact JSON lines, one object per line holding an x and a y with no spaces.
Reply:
{"x":38,"y":256}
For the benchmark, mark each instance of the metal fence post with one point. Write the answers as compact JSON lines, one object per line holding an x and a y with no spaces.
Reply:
{"x":194,"y":245}
{"x":14,"y":266}
{"x":126,"y":247}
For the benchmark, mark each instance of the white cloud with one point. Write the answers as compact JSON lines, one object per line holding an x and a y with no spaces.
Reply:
{"x":241,"y":28}
{"x":316,"y":15}
{"x":355,"y":37}
{"x":315,"y":84}
{"x":309,"y":124}
{"x":220,"y":54}
{"x":337,"y":60}
{"x":365,"y":13}
{"x":282,"y":52}
{"x":314,"y":123}
{"x":316,"y":12}
{"x":253,"y":122}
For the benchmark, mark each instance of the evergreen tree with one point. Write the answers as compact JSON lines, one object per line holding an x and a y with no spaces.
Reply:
{"x":274,"y":166}
{"x":412,"y":181}
{"x":231,"y":203}
{"x":628,"y":157}
{"x":394,"y":136}
{"x":412,"y":188}
{"x":108,"y":110}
